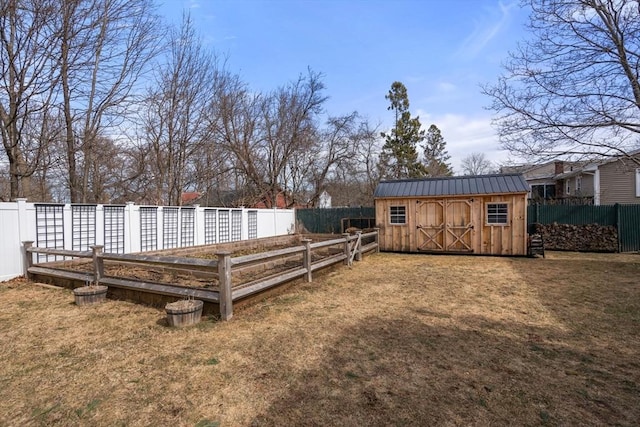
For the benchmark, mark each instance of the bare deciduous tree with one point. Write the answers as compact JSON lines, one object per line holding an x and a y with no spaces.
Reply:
{"x":104,"y":48}
{"x":264,"y":133}
{"x":369,"y":173}
{"x":573,"y":88}
{"x":338,"y":156}
{"x":72,"y":95}
{"x":234,"y":120}
{"x":288,"y":123}
{"x":353,"y":181}
{"x":175,"y":126}
{"x":476,"y":164}
{"x":27,"y":79}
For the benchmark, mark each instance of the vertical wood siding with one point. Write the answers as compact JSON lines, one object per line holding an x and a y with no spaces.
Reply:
{"x":455,"y":214}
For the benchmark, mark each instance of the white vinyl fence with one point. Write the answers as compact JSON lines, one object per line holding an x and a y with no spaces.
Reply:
{"x":127,"y":228}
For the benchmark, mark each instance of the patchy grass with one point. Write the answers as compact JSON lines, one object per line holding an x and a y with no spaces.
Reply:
{"x":396,"y":340}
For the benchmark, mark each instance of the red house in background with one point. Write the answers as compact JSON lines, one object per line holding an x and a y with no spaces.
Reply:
{"x":189,"y":197}
{"x":281,"y":202}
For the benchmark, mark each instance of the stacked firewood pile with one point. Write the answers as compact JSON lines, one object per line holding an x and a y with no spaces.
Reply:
{"x":586,"y":238}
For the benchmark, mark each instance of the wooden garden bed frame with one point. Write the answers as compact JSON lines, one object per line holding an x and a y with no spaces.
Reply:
{"x":222,"y":269}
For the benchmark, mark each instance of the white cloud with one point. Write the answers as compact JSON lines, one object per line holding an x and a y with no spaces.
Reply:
{"x":446,"y":87}
{"x":464,"y":135}
{"x":486,"y":29}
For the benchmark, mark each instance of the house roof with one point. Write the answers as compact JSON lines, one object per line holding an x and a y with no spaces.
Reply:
{"x":453,"y":186}
{"x":631,"y":154}
{"x":543,"y":171}
{"x":190,"y":197}
{"x":538,"y":171}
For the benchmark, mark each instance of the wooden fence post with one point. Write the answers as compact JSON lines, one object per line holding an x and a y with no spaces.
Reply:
{"x":225,"y":299}
{"x":359,"y":246}
{"x":306,"y":261}
{"x":28,"y":257}
{"x":377,"y":239}
{"x":347,"y":251}
{"x":98,"y":264}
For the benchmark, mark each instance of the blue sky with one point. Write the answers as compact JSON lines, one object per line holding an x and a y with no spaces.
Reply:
{"x":442,"y":50}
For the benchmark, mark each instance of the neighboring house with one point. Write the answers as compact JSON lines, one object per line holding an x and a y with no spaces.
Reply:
{"x":606,"y":182}
{"x":543,"y":178}
{"x":324,"y":200}
{"x":484,"y":214}
{"x":243,"y":198}
{"x":190,"y":197}
{"x":577,"y":186}
{"x":265,"y":201}
{"x":283,"y":201}
{"x":617,"y":181}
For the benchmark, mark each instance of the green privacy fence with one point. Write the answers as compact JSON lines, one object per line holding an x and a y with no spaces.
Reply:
{"x":629,"y":228}
{"x":336,"y":220}
{"x":626,"y":218}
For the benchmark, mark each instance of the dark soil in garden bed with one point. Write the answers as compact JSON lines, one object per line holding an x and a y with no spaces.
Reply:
{"x":199,"y":278}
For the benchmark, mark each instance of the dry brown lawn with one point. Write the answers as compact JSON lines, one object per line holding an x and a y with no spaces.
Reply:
{"x":394,"y":340}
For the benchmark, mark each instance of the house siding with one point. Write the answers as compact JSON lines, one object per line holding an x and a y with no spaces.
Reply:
{"x":618,"y":182}
{"x":587,"y":185}
{"x":543,"y":172}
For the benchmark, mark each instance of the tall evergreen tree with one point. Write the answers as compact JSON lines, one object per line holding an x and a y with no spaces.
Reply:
{"x":435,"y":153}
{"x":399,"y":157}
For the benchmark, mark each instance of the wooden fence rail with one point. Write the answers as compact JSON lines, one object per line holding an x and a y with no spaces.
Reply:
{"x":222,"y":268}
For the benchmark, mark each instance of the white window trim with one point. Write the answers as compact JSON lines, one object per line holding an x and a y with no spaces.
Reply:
{"x":405,"y":215}
{"x":596,"y":188}
{"x":638,"y":182}
{"x":497,"y":224}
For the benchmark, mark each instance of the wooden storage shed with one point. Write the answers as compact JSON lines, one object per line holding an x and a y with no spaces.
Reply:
{"x":484,"y":214}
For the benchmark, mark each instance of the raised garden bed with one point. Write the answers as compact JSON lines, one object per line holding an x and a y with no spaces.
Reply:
{"x":219,"y":275}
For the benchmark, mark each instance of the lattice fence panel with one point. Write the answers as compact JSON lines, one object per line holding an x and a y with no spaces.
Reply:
{"x":83,"y":220}
{"x":236,"y":225}
{"x":187,"y":226}
{"x":170,"y":227}
{"x":210,"y":223}
{"x":224,"y":232}
{"x":252,"y":224}
{"x":148,"y":229}
{"x":114,"y":229}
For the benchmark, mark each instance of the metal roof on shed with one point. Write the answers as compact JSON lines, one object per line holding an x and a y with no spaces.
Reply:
{"x":453,"y":186}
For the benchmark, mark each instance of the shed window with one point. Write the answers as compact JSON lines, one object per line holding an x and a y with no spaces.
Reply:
{"x":398,"y":215}
{"x":497,"y":213}
{"x":638,"y":182}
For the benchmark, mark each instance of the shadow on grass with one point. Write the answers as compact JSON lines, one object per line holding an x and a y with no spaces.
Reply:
{"x":404,"y":372}
{"x":407,"y":372}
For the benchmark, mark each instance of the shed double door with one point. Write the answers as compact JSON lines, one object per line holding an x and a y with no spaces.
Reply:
{"x":444,"y":225}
